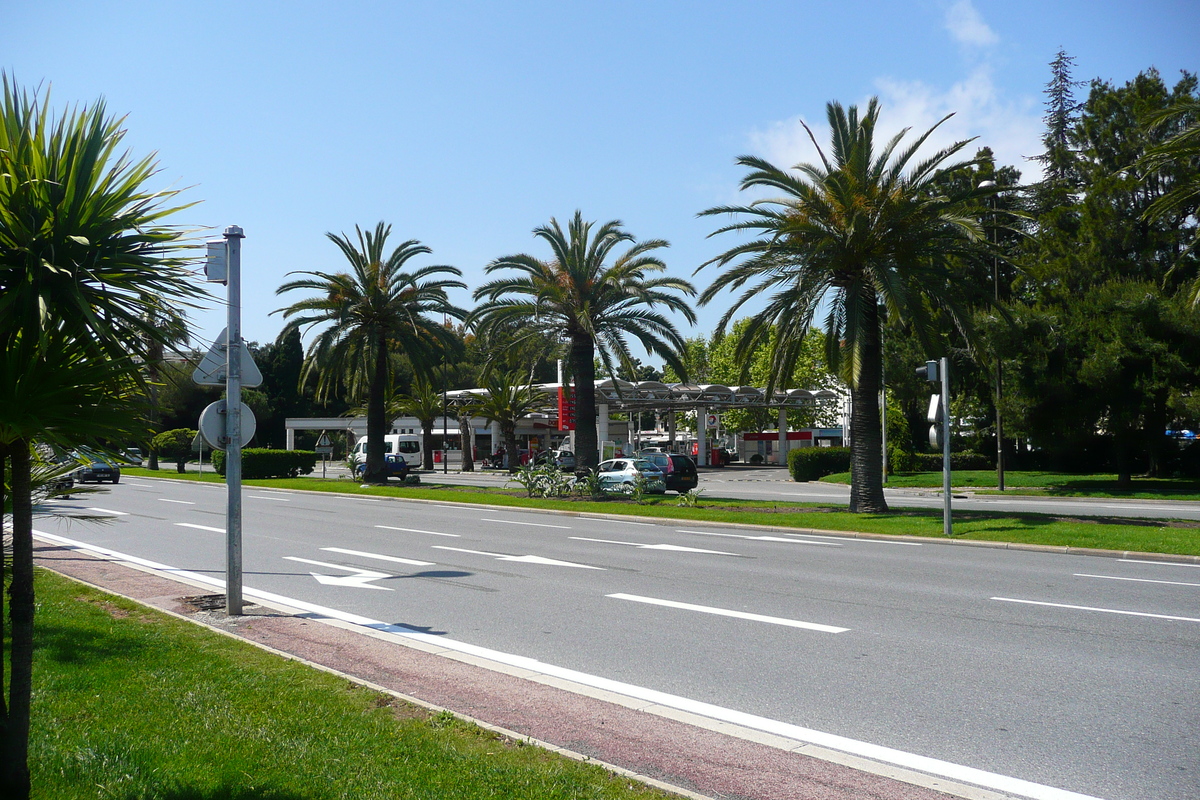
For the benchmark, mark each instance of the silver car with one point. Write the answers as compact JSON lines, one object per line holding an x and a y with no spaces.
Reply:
{"x":620,"y":474}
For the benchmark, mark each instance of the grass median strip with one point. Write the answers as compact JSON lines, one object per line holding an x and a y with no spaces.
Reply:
{"x":1104,"y":533}
{"x":131,"y":703}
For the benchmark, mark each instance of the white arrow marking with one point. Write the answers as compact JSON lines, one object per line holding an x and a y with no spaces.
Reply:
{"x":360,"y":579}
{"x":675,"y":547}
{"x":549,"y":562}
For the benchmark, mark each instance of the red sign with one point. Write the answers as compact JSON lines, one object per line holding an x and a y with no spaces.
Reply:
{"x":566,"y":410}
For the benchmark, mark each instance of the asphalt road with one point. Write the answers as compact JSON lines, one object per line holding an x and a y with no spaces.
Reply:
{"x":1033,"y":673}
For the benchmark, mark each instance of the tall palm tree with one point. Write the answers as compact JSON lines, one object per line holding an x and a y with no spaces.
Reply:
{"x":365,"y":312}
{"x":509,"y":397}
{"x":593,"y":305}
{"x":84,"y":255}
{"x":866,"y":227}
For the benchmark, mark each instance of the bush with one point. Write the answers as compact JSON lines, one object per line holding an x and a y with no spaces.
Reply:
{"x":174,"y":444}
{"x":814,"y":463}
{"x":932,"y":462}
{"x":259,"y":462}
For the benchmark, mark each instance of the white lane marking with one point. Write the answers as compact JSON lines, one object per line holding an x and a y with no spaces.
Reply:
{"x":629,"y":522}
{"x":874,"y":752}
{"x":361,"y":579}
{"x":549,"y":562}
{"x":199,"y":527}
{"x":140,"y":485}
{"x":110,"y":511}
{"x":865,"y":541}
{"x":760,"y":538}
{"x":724,"y":612}
{"x":673,"y":547}
{"x":1159,"y":563}
{"x":1091,"y":608}
{"x":397,"y":559}
{"x":268,"y":497}
{"x":1137,"y":580}
{"x":181,"y":502}
{"x":533,"y":524}
{"x":415,"y":530}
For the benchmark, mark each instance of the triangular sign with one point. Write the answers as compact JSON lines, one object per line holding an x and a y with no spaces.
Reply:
{"x":212,"y":372}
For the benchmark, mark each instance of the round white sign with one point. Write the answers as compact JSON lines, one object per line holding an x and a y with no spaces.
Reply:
{"x":212,"y":425}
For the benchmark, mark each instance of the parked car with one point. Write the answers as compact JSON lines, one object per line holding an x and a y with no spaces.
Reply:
{"x":132,"y":456}
{"x":679,"y":472}
{"x":620,"y":474}
{"x":98,"y":470}
{"x":394,"y":465}
{"x":563,"y":459}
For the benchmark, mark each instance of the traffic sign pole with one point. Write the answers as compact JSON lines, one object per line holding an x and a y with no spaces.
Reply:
{"x":233,"y":428}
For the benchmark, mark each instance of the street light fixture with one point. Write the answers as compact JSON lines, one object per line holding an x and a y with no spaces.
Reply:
{"x":994,"y":238}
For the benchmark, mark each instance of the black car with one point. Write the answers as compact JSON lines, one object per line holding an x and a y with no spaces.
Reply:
{"x":98,"y":471}
{"x":679,"y":471}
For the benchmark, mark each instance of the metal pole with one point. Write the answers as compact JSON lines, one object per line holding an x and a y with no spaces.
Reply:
{"x":945,"y":372}
{"x":999,"y":367}
{"x":233,"y":428}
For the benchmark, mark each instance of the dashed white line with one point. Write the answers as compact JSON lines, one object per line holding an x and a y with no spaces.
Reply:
{"x":673,"y":547}
{"x":532,"y":524}
{"x":724,"y":612}
{"x":1137,"y":580}
{"x":110,"y":511}
{"x":379,"y":557}
{"x":268,"y":497}
{"x":1159,"y":563}
{"x":761,"y":538}
{"x":200,"y":527}
{"x":140,"y":485}
{"x":180,"y":502}
{"x":416,"y":530}
{"x":1092,"y":608}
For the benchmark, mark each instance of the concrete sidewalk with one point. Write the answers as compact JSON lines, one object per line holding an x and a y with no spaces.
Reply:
{"x":683,"y":753}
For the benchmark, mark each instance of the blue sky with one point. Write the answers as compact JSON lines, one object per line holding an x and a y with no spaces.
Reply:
{"x":465,"y":125}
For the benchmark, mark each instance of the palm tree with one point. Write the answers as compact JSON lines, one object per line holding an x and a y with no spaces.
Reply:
{"x":592,"y":305}
{"x":425,"y":403}
{"x":1172,"y":156}
{"x":510,"y":397}
{"x":84,"y":256}
{"x":366,"y":311}
{"x":860,"y":229}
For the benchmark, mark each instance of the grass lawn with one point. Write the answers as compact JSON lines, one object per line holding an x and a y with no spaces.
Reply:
{"x":130,"y":703}
{"x":1151,"y":536}
{"x":1053,"y":484}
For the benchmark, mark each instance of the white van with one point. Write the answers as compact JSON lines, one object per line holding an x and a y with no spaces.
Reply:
{"x":406,"y":444}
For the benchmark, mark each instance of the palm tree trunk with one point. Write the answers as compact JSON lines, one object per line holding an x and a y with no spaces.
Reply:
{"x":427,"y":444}
{"x":464,"y":435}
{"x":583,"y":367}
{"x":866,"y":436}
{"x":14,"y":746}
{"x":373,"y":472}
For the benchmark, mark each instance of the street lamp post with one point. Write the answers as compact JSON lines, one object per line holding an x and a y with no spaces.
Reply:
{"x":994,"y":238}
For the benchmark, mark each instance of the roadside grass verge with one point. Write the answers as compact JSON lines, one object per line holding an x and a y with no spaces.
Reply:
{"x":1106,"y":533}
{"x":1044,"y":484}
{"x":131,"y":703}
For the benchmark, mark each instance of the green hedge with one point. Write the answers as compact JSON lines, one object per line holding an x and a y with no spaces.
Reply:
{"x":814,"y":463}
{"x":932,"y":462}
{"x":259,"y":462}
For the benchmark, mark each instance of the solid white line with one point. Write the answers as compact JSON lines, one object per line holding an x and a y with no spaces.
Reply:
{"x":140,"y":485}
{"x":886,"y":755}
{"x":200,"y":527}
{"x":110,"y":511}
{"x":760,"y":538}
{"x":533,"y":524}
{"x":1090,"y":608}
{"x":723,"y":612}
{"x":414,"y":530}
{"x":181,"y":502}
{"x":864,"y":541}
{"x":266,"y":497}
{"x":1159,"y":563}
{"x":380,"y":557}
{"x":1138,"y":580}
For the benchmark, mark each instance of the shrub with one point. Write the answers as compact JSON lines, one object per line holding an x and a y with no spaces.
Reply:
{"x":259,"y":462}
{"x":814,"y":463}
{"x":174,"y":444}
{"x":932,"y":462}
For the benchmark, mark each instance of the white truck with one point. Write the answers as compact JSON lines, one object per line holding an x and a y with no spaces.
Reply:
{"x":408,"y":445}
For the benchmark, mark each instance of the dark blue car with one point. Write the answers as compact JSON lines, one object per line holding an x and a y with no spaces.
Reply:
{"x":394,"y":466}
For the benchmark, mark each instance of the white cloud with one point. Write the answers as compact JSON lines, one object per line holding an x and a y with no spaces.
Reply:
{"x":967,"y":27}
